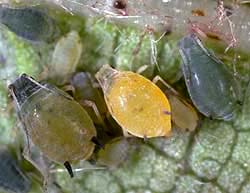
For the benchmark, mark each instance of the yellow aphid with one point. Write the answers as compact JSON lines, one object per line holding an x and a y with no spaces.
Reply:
{"x":65,"y":57}
{"x":137,"y":104}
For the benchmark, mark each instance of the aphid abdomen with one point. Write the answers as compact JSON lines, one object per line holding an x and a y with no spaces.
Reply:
{"x":12,"y":178}
{"x":55,"y":123}
{"x":211,"y":86}
{"x":28,"y":23}
{"x":65,"y":57}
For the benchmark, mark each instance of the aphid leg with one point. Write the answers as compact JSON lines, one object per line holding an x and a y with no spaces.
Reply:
{"x":39,"y":162}
{"x":210,"y":117}
{"x":91,"y":104}
{"x":142,"y":69}
{"x":69,"y":168}
{"x":239,"y":102}
{"x":96,"y":142}
{"x":244,"y":2}
{"x":60,"y":3}
{"x":125,"y":133}
{"x":69,"y":89}
{"x":44,"y":73}
{"x":157,"y":78}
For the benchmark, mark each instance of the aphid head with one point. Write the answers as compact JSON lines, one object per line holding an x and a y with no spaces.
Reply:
{"x":187,"y":42}
{"x":22,"y":88}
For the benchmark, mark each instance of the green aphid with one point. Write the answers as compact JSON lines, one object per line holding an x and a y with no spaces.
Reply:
{"x":53,"y":121}
{"x":12,"y":178}
{"x":211,"y":86}
{"x":65,"y":58}
{"x":29,"y":23}
{"x":117,"y":151}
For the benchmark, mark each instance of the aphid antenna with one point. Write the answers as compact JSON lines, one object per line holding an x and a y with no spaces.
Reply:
{"x":244,"y":2}
{"x":211,"y":55}
{"x":142,"y":69}
{"x":153,"y":51}
{"x":221,"y":15}
{"x":14,"y":97}
{"x":157,"y":78}
{"x":68,"y":10}
{"x":92,"y":105}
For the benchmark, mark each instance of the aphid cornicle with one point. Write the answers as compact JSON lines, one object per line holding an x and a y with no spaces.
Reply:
{"x":138,"y":105}
{"x":55,"y":123}
{"x":12,"y":178}
{"x":212,"y":88}
{"x":28,"y":23}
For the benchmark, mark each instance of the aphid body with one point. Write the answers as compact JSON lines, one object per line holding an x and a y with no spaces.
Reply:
{"x":28,"y":23}
{"x":12,"y":179}
{"x":211,"y":86}
{"x":54,"y":122}
{"x":183,"y":114}
{"x":137,"y":104}
{"x":65,"y":57}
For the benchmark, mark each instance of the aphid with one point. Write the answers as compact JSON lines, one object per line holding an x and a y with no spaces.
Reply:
{"x":65,"y":58}
{"x":85,"y":90}
{"x":116,"y":152}
{"x":53,"y":121}
{"x":211,"y":86}
{"x":137,"y":104}
{"x":28,"y":23}
{"x":179,"y":107}
{"x":12,"y":178}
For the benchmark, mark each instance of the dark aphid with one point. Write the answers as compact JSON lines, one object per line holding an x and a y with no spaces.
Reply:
{"x":211,"y":86}
{"x":12,"y":179}
{"x":28,"y":23}
{"x":53,"y":121}
{"x":85,"y":91}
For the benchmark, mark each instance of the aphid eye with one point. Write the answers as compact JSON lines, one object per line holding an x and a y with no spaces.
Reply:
{"x":120,"y":4}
